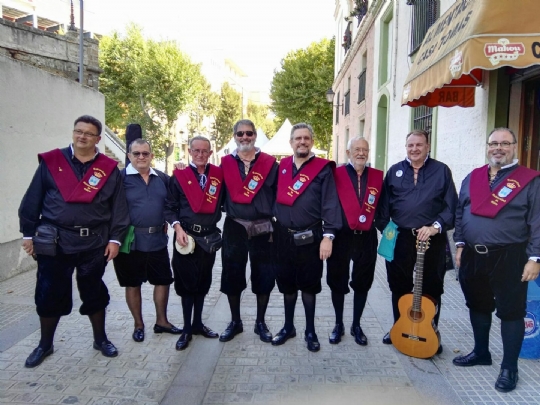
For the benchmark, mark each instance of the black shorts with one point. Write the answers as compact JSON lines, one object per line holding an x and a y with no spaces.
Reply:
{"x":193,"y":272}
{"x":136,"y":267}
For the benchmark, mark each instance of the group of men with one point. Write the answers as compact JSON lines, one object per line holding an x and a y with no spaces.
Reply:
{"x":285,"y":217}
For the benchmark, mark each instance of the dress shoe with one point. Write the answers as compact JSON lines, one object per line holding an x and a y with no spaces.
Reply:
{"x":313,"y":344}
{"x":386,"y":339}
{"x":337,"y":333}
{"x":233,"y":329}
{"x":107,"y":348}
{"x":507,"y":380}
{"x":206,"y":332}
{"x":37,"y":357}
{"x":472,"y":359}
{"x":283,"y":335}
{"x":359,"y":337}
{"x":183,"y":341}
{"x":262,"y":330}
{"x":138,"y":335}
{"x":173,"y":330}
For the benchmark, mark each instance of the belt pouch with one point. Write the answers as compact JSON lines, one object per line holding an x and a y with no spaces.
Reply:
{"x":303,"y":238}
{"x":45,"y":240}
{"x":257,"y":227}
{"x":209,"y":243}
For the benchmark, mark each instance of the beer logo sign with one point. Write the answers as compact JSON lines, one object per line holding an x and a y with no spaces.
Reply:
{"x":503,"y":50}
{"x":456,"y":63}
{"x":531,"y":324}
{"x":406,"y":92}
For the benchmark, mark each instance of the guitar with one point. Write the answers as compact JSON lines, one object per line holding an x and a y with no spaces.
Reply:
{"x":415,"y":333}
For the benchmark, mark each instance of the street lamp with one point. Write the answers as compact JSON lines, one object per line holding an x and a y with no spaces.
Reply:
{"x":330,"y":97}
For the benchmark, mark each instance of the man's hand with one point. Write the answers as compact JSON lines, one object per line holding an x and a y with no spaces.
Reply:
{"x":459,"y":249}
{"x":426,"y":232}
{"x":530,"y":271}
{"x":28,"y":246}
{"x":180,"y":165}
{"x":111,"y":250}
{"x":325,"y":250}
{"x":181,"y":235}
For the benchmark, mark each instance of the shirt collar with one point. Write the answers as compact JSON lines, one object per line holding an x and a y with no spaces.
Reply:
{"x":73,"y":152}
{"x":131,"y":170}
{"x":514,"y":162}
{"x":409,"y":160}
{"x":195,"y":166}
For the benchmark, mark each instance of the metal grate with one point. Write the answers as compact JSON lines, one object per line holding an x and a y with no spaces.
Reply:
{"x":425,"y":13}
{"x":362,"y":86}
{"x":422,"y":119}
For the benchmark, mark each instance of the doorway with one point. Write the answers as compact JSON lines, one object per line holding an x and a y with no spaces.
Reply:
{"x":529,"y":150}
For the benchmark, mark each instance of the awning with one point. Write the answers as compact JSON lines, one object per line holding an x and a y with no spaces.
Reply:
{"x":472,"y":36}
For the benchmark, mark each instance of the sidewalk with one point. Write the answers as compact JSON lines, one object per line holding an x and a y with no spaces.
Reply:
{"x":244,"y":370}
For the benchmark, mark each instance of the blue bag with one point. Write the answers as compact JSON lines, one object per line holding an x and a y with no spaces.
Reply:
{"x":388,"y":241}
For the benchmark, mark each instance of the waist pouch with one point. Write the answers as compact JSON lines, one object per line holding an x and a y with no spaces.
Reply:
{"x":209,"y":243}
{"x":45,"y":240}
{"x":303,"y":238}
{"x":257,"y":227}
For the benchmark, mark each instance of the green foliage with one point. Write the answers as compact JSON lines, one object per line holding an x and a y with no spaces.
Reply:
{"x":229,"y":111}
{"x":298,"y":89}
{"x":259,"y":115}
{"x":204,"y":108}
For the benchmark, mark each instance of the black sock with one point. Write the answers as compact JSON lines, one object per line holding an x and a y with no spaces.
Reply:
{"x":187,"y":309}
{"x":481,"y":324}
{"x":438,"y":314}
{"x":262,"y":304}
{"x":512,"y":333}
{"x":289,"y":301}
{"x":360,"y":299}
{"x":98,"y":326}
{"x":338,"y":300}
{"x":234,"y":304}
{"x":309,"y":301}
{"x":197,"y":311}
{"x":395,"y":307}
{"x":48,"y":327}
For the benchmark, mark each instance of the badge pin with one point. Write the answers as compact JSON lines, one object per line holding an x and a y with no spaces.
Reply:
{"x":362,"y":218}
{"x":284,"y":171}
{"x":399,"y":173}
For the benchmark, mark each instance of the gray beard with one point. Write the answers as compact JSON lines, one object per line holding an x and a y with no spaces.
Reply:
{"x":302,"y":154}
{"x":245,"y":148}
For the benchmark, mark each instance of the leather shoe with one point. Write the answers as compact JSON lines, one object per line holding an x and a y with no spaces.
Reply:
{"x":37,"y":357}
{"x":472,"y":359}
{"x":138,"y":335}
{"x":386,"y":339}
{"x":233,"y":329}
{"x":173,"y":330}
{"x":313,"y":344}
{"x":107,"y":348}
{"x":183,"y":341}
{"x":262,"y":330}
{"x":283,"y":335}
{"x":507,"y":380}
{"x":206,"y":332}
{"x":359,"y":337}
{"x":337,"y":333}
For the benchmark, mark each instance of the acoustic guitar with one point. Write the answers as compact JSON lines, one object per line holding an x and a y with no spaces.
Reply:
{"x":415,"y":333}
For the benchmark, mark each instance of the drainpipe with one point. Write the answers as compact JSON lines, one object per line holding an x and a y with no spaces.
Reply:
{"x":81,"y":46}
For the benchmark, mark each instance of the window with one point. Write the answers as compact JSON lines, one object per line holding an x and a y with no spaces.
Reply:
{"x":347,"y":38}
{"x":362,"y":86}
{"x":422,"y":119}
{"x":347,"y":97}
{"x":425,"y":13}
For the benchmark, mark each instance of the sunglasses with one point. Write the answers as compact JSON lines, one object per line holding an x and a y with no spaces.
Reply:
{"x":144,"y":154}
{"x":240,"y":134}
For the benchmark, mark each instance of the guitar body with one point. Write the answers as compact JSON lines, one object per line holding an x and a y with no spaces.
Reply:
{"x":415,"y":333}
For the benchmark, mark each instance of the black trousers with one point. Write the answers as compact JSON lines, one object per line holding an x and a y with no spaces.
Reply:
{"x":193,"y":272}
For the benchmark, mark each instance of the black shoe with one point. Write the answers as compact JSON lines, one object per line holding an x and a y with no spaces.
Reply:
{"x":205,"y":331}
{"x":472,"y":359}
{"x":173,"y":330}
{"x":107,"y":348}
{"x":439,"y":350}
{"x":386,"y":339}
{"x":359,"y":337}
{"x":283,"y":335}
{"x":313,"y":344}
{"x":138,"y":335}
{"x":507,"y":380}
{"x":37,"y":357}
{"x":233,"y":329}
{"x":337,"y":333}
{"x":262,"y":330}
{"x":183,"y":341}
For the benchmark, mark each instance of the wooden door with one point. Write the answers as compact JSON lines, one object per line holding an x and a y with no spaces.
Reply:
{"x":529,"y":144}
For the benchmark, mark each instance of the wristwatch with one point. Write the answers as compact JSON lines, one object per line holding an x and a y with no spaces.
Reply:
{"x":437,"y":226}
{"x":331,"y":237}
{"x":535,"y":259}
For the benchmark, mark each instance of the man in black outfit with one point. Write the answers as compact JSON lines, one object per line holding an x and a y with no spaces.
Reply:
{"x":419,"y":195}
{"x":78,"y":193}
{"x":498,"y":251}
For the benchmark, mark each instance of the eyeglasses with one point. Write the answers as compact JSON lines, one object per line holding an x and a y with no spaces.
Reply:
{"x":82,"y":133}
{"x":144,"y":154}
{"x":203,"y":152}
{"x":358,"y":150}
{"x":240,"y":134}
{"x":503,"y":144}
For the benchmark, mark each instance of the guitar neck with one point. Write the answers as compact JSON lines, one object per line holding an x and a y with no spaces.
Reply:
{"x":418,"y":282}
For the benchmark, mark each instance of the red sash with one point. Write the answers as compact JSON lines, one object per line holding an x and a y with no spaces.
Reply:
{"x":243,"y":192}
{"x":201,"y":201}
{"x":289,"y":188}
{"x":487,"y":203}
{"x":359,"y":216}
{"x":71,"y":189}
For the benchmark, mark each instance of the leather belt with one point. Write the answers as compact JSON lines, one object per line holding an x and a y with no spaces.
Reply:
{"x":313,"y":226}
{"x":485,"y":249}
{"x":197,"y":228}
{"x":83,"y":231}
{"x":151,"y":229}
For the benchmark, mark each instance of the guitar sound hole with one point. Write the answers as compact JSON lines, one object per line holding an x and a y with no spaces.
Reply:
{"x":416,"y":316}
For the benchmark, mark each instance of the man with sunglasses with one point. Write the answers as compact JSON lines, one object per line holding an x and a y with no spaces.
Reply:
{"x":498,"y":251}
{"x":250,"y":179}
{"x":147,"y":258}
{"x":73,"y":215}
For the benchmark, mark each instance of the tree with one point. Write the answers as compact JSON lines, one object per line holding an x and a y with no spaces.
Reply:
{"x":203,"y":110}
{"x":258,"y":113}
{"x":148,"y":82}
{"x":298,"y":89}
{"x":229,"y":111}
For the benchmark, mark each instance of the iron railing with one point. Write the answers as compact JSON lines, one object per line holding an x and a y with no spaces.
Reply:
{"x":425,"y":13}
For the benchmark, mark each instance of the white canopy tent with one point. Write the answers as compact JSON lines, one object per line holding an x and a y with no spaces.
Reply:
{"x":279,"y":145}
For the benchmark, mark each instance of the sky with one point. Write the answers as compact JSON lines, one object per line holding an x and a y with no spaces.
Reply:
{"x":255,"y":34}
